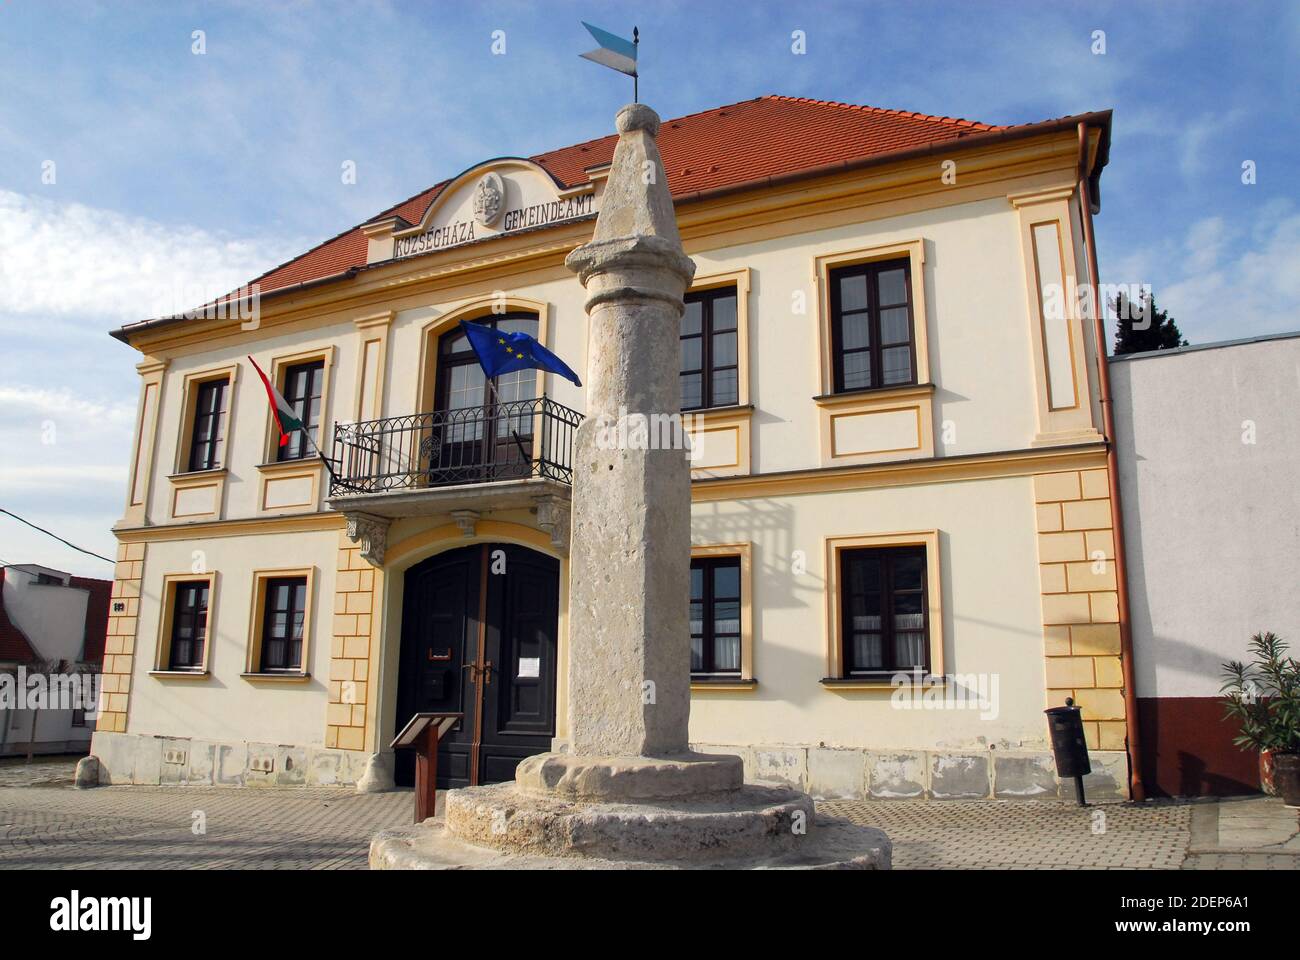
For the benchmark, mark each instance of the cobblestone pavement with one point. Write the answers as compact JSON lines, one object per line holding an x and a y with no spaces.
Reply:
{"x":44,"y":822}
{"x":17,"y":772}
{"x":1025,"y":834}
{"x":310,"y":828}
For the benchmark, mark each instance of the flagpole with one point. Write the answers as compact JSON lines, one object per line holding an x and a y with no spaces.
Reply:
{"x":323,"y":459}
{"x":636,"y":74}
{"x":496,"y":398}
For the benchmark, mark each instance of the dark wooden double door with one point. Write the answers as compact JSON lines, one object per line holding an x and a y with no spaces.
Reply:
{"x":479,"y":638}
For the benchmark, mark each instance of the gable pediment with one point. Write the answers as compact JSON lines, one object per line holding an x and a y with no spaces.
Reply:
{"x":489,"y":200}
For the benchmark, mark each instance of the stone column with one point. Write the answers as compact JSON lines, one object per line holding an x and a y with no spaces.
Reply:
{"x":629,"y":657}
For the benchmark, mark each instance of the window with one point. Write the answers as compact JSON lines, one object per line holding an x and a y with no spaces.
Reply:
{"x":189,"y":625}
{"x":78,"y":718}
{"x":715,"y":616}
{"x":884,"y":615}
{"x":208,"y":438}
{"x":470,"y":440}
{"x":710,"y":369}
{"x":871,"y":325}
{"x":283,"y":619}
{"x":303,"y":386}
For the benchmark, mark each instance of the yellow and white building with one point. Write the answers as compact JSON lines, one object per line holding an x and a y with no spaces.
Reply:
{"x":902,"y":515}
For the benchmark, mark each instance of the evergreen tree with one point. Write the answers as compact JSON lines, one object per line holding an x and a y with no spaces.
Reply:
{"x":1143,"y":326}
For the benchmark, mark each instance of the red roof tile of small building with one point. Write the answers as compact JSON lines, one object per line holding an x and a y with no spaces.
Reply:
{"x":96,"y":615}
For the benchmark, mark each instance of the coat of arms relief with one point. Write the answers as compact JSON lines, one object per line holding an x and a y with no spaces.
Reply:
{"x":489,"y":199}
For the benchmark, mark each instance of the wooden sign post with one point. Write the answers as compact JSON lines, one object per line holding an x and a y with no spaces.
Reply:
{"x":421,"y":734}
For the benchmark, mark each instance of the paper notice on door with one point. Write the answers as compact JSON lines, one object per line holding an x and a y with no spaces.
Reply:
{"x":530,"y":666}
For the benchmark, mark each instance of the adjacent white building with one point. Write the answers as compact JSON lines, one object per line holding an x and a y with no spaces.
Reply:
{"x":52,"y":629}
{"x":1209,"y":453}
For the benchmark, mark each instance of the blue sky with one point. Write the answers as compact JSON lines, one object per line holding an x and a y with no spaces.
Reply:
{"x":175,"y":171}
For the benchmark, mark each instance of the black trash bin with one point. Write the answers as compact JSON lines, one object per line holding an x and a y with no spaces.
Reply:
{"x":1065,"y":725}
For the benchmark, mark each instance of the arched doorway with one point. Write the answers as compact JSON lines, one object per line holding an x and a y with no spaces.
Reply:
{"x":479,"y":627}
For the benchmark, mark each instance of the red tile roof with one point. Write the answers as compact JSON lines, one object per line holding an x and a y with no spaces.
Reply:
{"x":96,"y":615}
{"x":14,"y":646}
{"x":736,"y":146}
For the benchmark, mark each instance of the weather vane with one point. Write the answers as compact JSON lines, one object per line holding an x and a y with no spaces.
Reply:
{"x":616,"y":53}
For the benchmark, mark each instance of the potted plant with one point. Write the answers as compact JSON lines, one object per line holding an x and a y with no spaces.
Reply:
{"x":1264,"y":696}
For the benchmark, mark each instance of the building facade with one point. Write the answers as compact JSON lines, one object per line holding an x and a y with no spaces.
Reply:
{"x":1208,"y":451}
{"x":52,"y":629}
{"x":902,"y":525}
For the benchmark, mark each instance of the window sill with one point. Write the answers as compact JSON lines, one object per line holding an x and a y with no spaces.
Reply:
{"x":276,"y":677}
{"x":882,"y":683}
{"x":871,"y":393}
{"x":730,"y":409}
{"x":197,"y":474}
{"x":723,"y":683}
{"x":275,"y":466}
{"x":180,"y":674}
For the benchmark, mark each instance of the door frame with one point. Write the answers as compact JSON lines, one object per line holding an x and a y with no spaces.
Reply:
{"x":419,"y":546}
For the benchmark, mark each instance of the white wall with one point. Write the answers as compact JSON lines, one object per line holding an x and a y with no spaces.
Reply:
{"x":992,"y":617}
{"x":225,"y":706}
{"x":1211,"y":514}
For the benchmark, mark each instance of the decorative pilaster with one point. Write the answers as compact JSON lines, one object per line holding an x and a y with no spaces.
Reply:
{"x":1076,"y":554}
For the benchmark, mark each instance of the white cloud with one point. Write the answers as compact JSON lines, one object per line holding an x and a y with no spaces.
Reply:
{"x":1238,"y":282}
{"x":72,"y":260}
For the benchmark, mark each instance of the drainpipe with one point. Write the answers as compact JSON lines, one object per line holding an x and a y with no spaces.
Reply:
{"x":1137,"y":789}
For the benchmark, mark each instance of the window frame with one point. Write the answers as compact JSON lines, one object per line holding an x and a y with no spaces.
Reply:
{"x":931,"y":540}
{"x":162,"y":666}
{"x":710,"y":564}
{"x":276,"y":367}
{"x":706,"y":297}
{"x":319,"y":369}
{"x":255,"y":669}
{"x":191,"y":384}
{"x":745,"y":679}
{"x":218,"y":441}
{"x":914,"y":249}
{"x":888,"y":632}
{"x":294,"y":585}
{"x":871,"y":270}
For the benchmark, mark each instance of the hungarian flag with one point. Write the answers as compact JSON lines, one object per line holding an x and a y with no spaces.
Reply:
{"x":285,"y":418}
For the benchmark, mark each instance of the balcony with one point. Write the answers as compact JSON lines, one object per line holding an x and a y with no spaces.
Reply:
{"x":461,"y":463}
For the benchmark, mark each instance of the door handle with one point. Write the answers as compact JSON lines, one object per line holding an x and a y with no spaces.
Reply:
{"x":487,"y":672}
{"x":445,"y":655}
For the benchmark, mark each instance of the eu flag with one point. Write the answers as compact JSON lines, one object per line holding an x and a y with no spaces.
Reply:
{"x":501,"y":352}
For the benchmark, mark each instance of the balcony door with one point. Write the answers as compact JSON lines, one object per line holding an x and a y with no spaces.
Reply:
{"x":472,"y":438}
{"x":479,"y":628}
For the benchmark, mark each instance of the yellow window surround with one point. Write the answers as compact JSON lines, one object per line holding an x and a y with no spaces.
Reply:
{"x":257,"y":621}
{"x":163,"y":645}
{"x":745,"y":551}
{"x":934,"y":600}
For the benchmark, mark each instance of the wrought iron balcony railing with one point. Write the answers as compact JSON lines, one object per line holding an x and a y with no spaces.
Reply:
{"x":505,"y":441}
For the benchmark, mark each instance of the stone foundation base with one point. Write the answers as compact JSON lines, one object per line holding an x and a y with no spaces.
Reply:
{"x":150,"y":760}
{"x":855,"y":773}
{"x":824,"y":772}
{"x":754,"y":827}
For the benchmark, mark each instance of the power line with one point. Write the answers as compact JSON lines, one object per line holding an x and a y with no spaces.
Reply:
{"x":56,"y":536}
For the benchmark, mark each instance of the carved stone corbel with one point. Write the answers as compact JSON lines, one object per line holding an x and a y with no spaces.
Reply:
{"x":467,"y":520}
{"x":553,"y":517}
{"x":371,"y":534}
